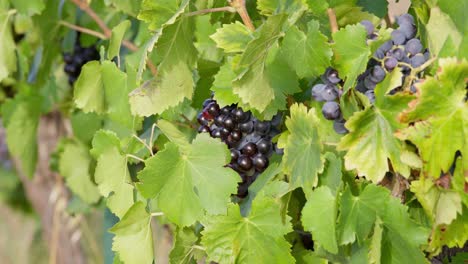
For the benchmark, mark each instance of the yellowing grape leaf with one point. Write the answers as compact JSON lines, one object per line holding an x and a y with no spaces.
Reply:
{"x":133,"y":239}
{"x":441,"y":116}
{"x":232,"y":37}
{"x":257,"y":238}
{"x":188,"y":181}
{"x":370,"y":142}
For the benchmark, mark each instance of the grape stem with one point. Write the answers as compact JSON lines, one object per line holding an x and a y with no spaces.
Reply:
{"x":83,"y":5}
{"x":212,"y":10}
{"x":157,"y":214}
{"x":332,"y":19}
{"x":83,"y":30}
{"x":239,"y":5}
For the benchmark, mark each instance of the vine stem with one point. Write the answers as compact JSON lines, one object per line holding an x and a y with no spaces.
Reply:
{"x":157,"y":214}
{"x":83,"y":29}
{"x":332,"y":18}
{"x":239,"y":5}
{"x":212,"y":10}
{"x":106,"y":32}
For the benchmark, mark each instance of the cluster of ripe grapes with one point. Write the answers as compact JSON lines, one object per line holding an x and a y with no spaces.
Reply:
{"x":403,"y":52}
{"x":74,"y":61}
{"x":248,"y":139}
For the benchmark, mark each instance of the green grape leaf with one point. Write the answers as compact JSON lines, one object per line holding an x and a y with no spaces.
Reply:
{"x":188,"y":181}
{"x":442,"y":115}
{"x":331,"y":176}
{"x":371,"y":141}
{"x":7,"y":46}
{"x":111,"y":174}
{"x":302,"y":159}
{"x":183,"y":250}
{"x":129,"y":7}
{"x":103,"y":88}
{"x":309,"y":54}
{"x":455,"y":10}
{"x":232,"y":37}
{"x":319,"y":217}
{"x":157,"y":13}
{"x":460,"y":179}
{"x":294,"y":8}
{"x":21,"y":120}
{"x":74,"y":166}
{"x":175,"y":80}
{"x":115,"y":41}
{"x":441,"y":205}
{"x":206,"y":46}
{"x":84,"y":125}
{"x":351,"y":53}
{"x":222,"y":84}
{"x":377,"y":7}
{"x":258,"y":238}
{"x":29,"y":8}
{"x":358,"y":213}
{"x":375,"y":243}
{"x":441,"y":30}
{"x":133,"y":240}
{"x":402,"y":237}
{"x":254,"y":85}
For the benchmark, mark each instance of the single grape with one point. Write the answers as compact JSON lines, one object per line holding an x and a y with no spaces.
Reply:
{"x":260,"y":163}
{"x":330,"y":93}
{"x":264,"y":146}
{"x":213,"y":109}
{"x":360,"y":87}
{"x":386,"y":46}
{"x":369,"y":27}
{"x":70,"y":68}
{"x":226,"y":110}
{"x":413,"y":46}
{"x":427,"y":55}
{"x":390,"y":63}
{"x":378,"y":74}
{"x":240,"y":116}
{"x":207,"y":102}
{"x":339,"y":126}
{"x":397,"y":53}
{"x":331,"y":110}
{"x":408,"y":30}
{"x":331,"y":76}
{"x":262,"y":127}
{"x":216,"y":133}
{"x":234,"y":154}
{"x":405,"y":19}
{"x":67,"y":58}
{"x":244,"y":162}
{"x":219,"y":120}
{"x":79,"y":60}
{"x":370,"y":95}
{"x":369,"y":83}
{"x":246,"y":127}
{"x":236,"y":134}
{"x":317,"y":91}
{"x":224,"y":132}
{"x":202,"y":119}
{"x":417,"y":60}
{"x":249,"y":149}
{"x":398,"y":37}
{"x":204,"y":129}
{"x":379,"y":54}
{"x":242,"y":190}
{"x":229,"y":123}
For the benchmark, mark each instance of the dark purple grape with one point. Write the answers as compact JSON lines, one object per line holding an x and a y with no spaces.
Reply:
{"x":331,"y":110}
{"x":207,"y":102}
{"x":390,"y":63}
{"x":398,"y":54}
{"x":398,"y":37}
{"x":405,"y":19}
{"x":360,"y":87}
{"x":202,"y":120}
{"x":331,"y":76}
{"x":427,"y":55}
{"x":242,"y":190}
{"x":379,"y":54}
{"x":408,"y":30}
{"x":386,"y":46}
{"x":203,"y":129}
{"x":317,"y":92}
{"x":226,"y":111}
{"x":72,"y":79}
{"x":67,"y":58}
{"x":224,"y":132}
{"x":330,"y":93}
{"x":369,"y":83}
{"x":234,"y":155}
{"x":216,"y":133}
{"x":244,"y":162}
{"x":70,"y":68}
{"x":236,"y":135}
{"x":413,"y":46}
{"x":213,"y":109}
{"x":246,"y":127}
{"x":371,"y":96}
{"x":229,"y":123}
{"x":240,"y":116}
{"x":339,"y":126}
{"x":417,"y":60}
{"x":219,"y":120}
{"x":249,"y":149}
{"x":369,"y":27}
{"x":262,"y":127}
{"x":264,"y":146}
{"x":260,"y":163}
{"x":378,"y":74}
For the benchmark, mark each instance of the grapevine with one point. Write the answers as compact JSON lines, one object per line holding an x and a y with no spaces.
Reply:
{"x":299,"y":131}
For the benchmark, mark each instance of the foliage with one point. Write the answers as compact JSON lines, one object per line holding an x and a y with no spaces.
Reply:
{"x":391,"y":190}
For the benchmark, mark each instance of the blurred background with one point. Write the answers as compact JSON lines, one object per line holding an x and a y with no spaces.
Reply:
{"x":22,"y":233}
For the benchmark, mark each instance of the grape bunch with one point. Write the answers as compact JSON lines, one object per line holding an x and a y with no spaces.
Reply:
{"x":330,"y":93}
{"x":74,"y":61}
{"x":248,"y":139}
